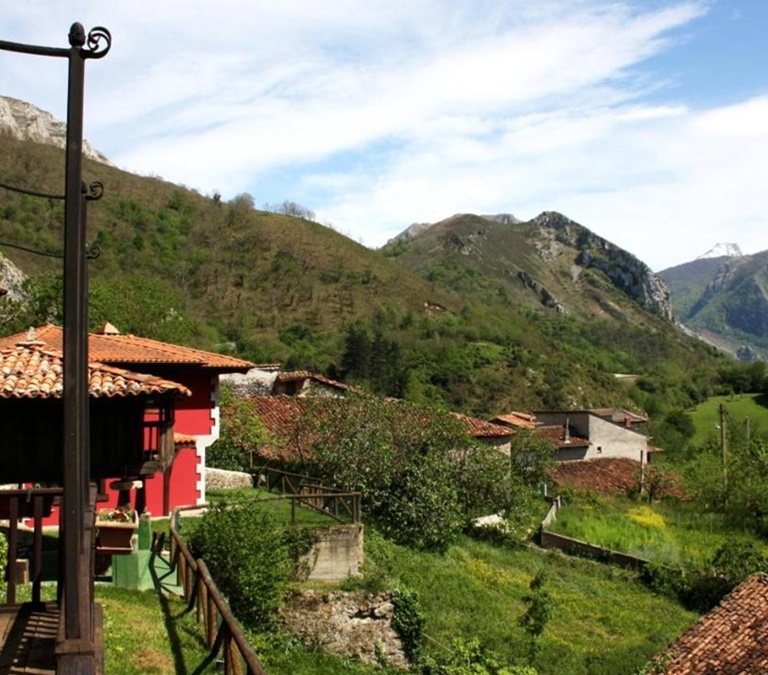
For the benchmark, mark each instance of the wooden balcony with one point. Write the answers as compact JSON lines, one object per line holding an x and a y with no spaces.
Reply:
{"x":32,"y":633}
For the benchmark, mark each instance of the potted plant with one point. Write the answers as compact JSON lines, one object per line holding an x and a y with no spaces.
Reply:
{"x":115,"y":529}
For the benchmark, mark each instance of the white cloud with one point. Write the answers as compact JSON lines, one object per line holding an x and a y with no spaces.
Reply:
{"x":383,"y":114}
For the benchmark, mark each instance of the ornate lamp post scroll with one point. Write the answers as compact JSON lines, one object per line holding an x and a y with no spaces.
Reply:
{"x":76,"y":653}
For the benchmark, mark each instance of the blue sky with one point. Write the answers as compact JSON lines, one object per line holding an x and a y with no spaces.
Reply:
{"x":644,"y":120}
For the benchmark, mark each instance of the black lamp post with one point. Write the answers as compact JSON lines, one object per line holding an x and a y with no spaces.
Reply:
{"x":76,"y":654}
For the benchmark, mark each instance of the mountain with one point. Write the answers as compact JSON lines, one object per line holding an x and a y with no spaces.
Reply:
{"x":722,"y":250}
{"x":23,"y":121}
{"x":479,"y":314}
{"x":724,"y":300}
{"x":549,"y":261}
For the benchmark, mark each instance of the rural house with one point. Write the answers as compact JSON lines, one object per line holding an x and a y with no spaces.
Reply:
{"x":588,"y":434}
{"x":196,"y":417}
{"x":732,"y":638}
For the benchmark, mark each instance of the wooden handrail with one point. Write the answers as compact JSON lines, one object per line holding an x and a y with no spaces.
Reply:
{"x":311,"y":493}
{"x":222,"y":630}
{"x":29,"y":503}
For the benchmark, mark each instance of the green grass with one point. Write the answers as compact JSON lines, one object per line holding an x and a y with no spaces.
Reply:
{"x":679,"y":535}
{"x":145,"y":632}
{"x":738,"y":407}
{"x":603,"y":620}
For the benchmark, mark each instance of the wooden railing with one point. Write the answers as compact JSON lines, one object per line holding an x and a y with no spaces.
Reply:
{"x":31,"y":503}
{"x":340,"y":505}
{"x":222,"y":630}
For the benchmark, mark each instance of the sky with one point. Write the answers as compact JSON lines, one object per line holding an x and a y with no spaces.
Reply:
{"x":644,"y":120}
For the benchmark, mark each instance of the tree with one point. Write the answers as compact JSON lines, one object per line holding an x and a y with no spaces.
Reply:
{"x":242,"y":434}
{"x":422,"y":477}
{"x":537,"y":613}
{"x":531,"y":457}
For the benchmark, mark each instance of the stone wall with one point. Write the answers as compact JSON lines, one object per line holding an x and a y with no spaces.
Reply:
{"x":355,"y":625}
{"x":337,"y":554}
{"x":219,"y":479}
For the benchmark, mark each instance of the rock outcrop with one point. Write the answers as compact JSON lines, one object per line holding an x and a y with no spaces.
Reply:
{"x":356,"y":625}
{"x":26,"y":122}
{"x":11,"y":278}
{"x":626,"y":272}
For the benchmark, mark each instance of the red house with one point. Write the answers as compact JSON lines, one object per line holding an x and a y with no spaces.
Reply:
{"x":196,"y":425}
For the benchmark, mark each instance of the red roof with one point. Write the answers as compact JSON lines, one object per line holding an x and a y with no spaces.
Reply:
{"x":555,"y":434}
{"x":482,"y":429}
{"x":611,"y":475}
{"x":280,"y":415}
{"x":33,"y":371}
{"x":732,"y":638}
{"x":129,"y":349}
{"x":517,"y":419}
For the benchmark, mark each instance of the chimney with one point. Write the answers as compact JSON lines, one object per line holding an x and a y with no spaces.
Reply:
{"x":567,"y":431}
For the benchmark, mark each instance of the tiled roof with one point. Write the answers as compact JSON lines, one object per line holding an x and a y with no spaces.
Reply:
{"x":280,"y":415}
{"x":124,"y":349}
{"x":608,"y":475}
{"x":611,"y":475}
{"x":517,"y":419}
{"x":555,"y":434}
{"x":298,"y":375}
{"x":184,"y":440}
{"x":732,"y":638}
{"x":34,"y":371}
{"x":482,"y":429}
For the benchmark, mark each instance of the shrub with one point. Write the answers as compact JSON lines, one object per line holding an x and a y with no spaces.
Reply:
{"x":248,"y":558}
{"x":701,"y":588}
{"x":408,"y":622}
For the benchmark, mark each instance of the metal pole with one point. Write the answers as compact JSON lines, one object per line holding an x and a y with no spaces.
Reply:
{"x":75,"y":346}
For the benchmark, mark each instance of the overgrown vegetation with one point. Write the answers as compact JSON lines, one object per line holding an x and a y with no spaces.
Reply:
{"x":422,"y":477}
{"x":249,"y":557}
{"x":277,"y":287}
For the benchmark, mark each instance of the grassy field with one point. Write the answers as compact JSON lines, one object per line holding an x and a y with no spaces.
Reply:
{"x":672,"y":534}
{"x":603,"y":620}
{"x":739,"y":407}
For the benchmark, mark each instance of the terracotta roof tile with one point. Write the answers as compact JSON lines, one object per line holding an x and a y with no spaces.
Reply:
{"x":125,"y":349}
{"x":611,"y":475}
{"x":32,"y":371}
{"x":184,"y":440}
{"x":555,"y":434}
{"x":732,"y":638}
{"x":280,"y":415}
{"x":517,"y":419}
{"x":482,"y":429}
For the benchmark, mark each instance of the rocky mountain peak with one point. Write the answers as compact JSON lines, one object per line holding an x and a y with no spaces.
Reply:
{"x":627,"y":273}
{"x":722,"y":250}
{"x":26,"y":122}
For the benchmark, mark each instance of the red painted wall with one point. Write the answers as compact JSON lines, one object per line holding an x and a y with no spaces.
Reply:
{"x":193,"y":416}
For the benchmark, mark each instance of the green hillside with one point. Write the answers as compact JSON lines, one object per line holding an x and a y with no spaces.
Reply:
{"x":430,"y":324}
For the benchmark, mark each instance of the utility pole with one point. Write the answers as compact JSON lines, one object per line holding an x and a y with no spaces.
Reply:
{"x":724,"y":446}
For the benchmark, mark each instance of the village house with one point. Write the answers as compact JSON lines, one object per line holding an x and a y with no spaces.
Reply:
{"x":181,"y":480}
{"x":593,"y":434}
{"x":732,"y":638}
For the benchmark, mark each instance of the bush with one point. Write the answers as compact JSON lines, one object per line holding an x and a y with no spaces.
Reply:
{"x":246,"y":553}
{"x":701,"y":589}
{"x":408,"y":622}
